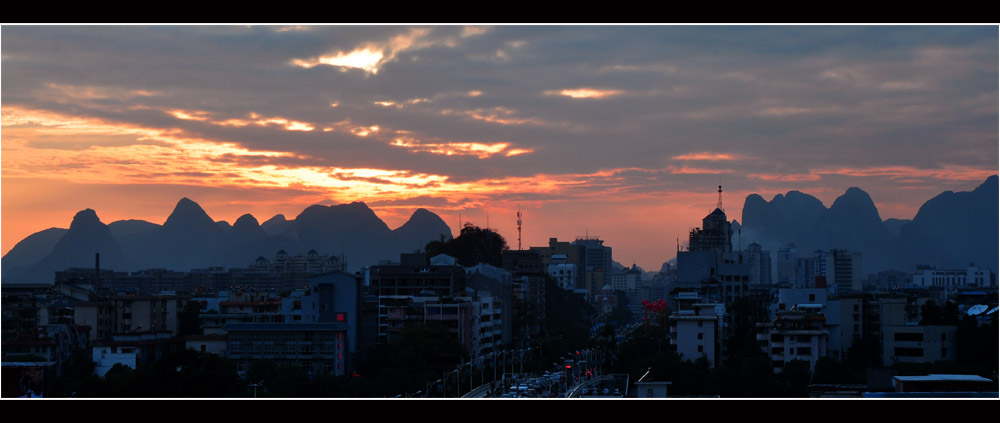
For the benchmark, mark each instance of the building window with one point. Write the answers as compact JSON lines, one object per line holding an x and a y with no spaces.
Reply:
{"x":908,"y":352}
{"x":701,"y":348}
{"x":812,"y":297}
{"x":908,"y":337}
{"x":701,"y":335}
{"x":700,"y":323}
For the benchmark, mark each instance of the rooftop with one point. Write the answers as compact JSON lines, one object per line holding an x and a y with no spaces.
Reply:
{"x":942,"y":378}
{"x":232,"y":327}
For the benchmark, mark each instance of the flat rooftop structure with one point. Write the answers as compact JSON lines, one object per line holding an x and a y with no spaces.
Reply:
{"x":232,"y":327}
{"x":932,"y":394}
{"x":940,"y":383}
{"x":949,"y":378}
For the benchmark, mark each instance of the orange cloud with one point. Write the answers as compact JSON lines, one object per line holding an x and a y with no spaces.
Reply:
{"x":792,"y":111}
{"x":953,"y":173}
{"x":203,"y":116}
{"x":901,"y":174}
{"x":94,"y":92}
{"x":695,"y":170}
{"x":179,"y":114}
{"x":499,"y":115}
{"x":480,"y":150}
{"x":518,"y":151}
{"x":709,"y":156}
{"x":794,"y":177}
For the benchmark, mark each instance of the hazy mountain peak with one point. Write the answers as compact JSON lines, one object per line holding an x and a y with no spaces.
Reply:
{"x":85,"y":218}
{"x":989,"y":185}
{"x":855,"y":191}
{"x":187,"y":212}
{"x":423,"y":214}
{"x":247,"y":220}
{"x":855,"y":198}
{"x":274,"y":220}
{"x":276,"y":225}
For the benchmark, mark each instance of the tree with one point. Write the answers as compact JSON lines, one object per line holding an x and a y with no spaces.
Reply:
{"x":794,"y":379}
{"x":977,"y":346}
{"x":280,"y":380}
{"x":474,"y":245}
{"x":419,"y":355}
{"x":864,"y":352}
{"x":567,"y":315}
{"x":190,"y":373}
{"x":831,"y":371}
{"x":77,"y":376}
{"x":756,"y":377}
{"x":189,"y":322}
{"x":932,"y":314}
{"x":745,"y":314}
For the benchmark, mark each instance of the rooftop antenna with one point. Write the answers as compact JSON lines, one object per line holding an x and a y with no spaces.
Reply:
{"x":720,"y":194}
{"x":518,"y":229}
{"x":487,"y":217}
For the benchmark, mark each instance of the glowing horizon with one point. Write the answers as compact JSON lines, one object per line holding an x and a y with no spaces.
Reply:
{"x":620,"y":131}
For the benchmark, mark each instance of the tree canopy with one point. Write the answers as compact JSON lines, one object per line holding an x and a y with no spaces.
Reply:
{"x":474,"y":245}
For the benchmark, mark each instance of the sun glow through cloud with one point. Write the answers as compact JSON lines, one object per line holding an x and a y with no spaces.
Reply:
{"x":480,"y":150}
{"x":585,"y":93}
{"x":255,"y":119}
{"x":371,"y":56}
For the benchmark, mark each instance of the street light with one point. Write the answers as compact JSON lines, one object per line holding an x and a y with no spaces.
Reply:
{"x":255,"y":385}
{"x":444,"y":387}
{"x":428,"y":387}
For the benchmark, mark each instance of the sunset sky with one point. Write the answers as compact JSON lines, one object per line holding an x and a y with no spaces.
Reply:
{"x":622,"y":132}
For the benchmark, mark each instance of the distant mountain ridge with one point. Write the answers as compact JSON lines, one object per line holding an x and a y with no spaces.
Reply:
{"x":190,"y":238}
{"x":950,"y":230}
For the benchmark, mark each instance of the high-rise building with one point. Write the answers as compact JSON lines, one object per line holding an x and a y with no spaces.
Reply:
{"x":845,"y":270}
{"x":597,"y":271}
{"x":715,"y":234}
{"x":711,"y":260}
{"x":795,"y":334}
{"x":575,"y":254}
{"x":760,"y":265}
{"x":787,"y":262}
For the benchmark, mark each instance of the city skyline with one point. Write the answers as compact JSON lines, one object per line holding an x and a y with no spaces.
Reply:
{"x":622,"y":132}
